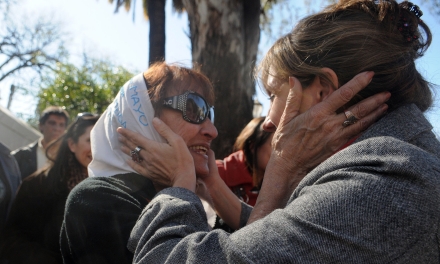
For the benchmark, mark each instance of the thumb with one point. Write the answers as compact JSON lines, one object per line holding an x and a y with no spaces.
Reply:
{"x":211,"y":160}
{"x":293,"y":103}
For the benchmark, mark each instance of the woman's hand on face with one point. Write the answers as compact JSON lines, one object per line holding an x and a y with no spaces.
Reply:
{"x":166,"y":164}
{"x":207,"y":183}
{"x":305,"y":140}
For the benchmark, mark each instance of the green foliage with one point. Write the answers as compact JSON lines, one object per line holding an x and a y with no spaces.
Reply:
{"x":89,"y":88}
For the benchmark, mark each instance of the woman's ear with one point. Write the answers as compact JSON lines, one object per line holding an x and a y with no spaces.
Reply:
{"x":332,"y":76}
{"x":326,"y":87}
{"x":71,"y":144}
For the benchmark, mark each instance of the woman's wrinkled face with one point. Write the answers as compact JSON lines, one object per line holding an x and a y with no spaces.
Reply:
{"x":198,"y":137}
{"x":82,"y":149}
{"x":279,"y":90}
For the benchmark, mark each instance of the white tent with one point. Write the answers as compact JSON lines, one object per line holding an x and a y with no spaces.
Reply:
{"x":15,"y":133}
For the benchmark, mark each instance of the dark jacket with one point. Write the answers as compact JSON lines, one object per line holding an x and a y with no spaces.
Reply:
{"x":376,"y":201}
{"x":27,"y":159}
{"x":100,"y":213}
{"x":33,"y":228}
{"x":9,"y":182}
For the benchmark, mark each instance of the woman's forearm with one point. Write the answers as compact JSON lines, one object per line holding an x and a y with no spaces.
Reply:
{"x":226,"y":203}
{"x":275,"y":191}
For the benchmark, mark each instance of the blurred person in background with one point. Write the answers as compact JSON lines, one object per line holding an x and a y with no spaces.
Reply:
{"x":243,"y":170}
{"x":9,"y":182}
{"x":52,"y":124}
{"x":33,"y":228}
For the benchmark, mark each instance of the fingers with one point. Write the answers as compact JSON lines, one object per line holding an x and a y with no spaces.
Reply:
{"x":137,"y":167}
{"x":132,"y":139}
{"x":367,"y":121}
{"x":164,"y":130}
{"x":212,"y":165}
{"x":293,"y":103}
{"x":211,"y":158}
{"x":346,"y":92}
{"x":368,"y":111}
{"x":370,"y":104}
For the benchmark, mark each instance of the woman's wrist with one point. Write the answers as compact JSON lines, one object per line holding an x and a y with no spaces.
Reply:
{"x":186,"y":180}
{"x":211,"y":181}
{"x":285,"y":174}
{"x":278,"y":185}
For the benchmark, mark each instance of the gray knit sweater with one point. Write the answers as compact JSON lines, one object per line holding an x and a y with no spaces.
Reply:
{"x":376,"y":201}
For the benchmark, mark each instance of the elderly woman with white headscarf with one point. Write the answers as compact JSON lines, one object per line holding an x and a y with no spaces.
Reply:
{"x":101,"y":211}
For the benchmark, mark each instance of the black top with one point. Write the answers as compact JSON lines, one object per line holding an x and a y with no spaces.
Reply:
{"x":100,"y":213}
{"x":32,"y":231}
{"x":27,"y":159}
{"x":9,"y":182}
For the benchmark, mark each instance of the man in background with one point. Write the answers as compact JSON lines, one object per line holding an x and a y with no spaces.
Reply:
{"x":52,"y":124}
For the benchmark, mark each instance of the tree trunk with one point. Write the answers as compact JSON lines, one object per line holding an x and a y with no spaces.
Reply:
{"x":224,"y":42}
{"x":156,"y":15}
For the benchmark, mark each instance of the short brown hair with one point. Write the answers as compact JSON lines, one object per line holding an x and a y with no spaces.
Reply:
{"x":353,"y":36}
{"x":162,"y":78}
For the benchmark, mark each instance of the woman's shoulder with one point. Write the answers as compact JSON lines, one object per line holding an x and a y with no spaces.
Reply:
{"x":100,"y":184}
{"x":35,"y":185}
{"x":95,"y":190}
{"x":381,"y":164}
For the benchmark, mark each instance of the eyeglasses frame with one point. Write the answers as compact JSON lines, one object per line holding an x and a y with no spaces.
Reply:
{"x":82,"y":115}
{"x":178,"y":102}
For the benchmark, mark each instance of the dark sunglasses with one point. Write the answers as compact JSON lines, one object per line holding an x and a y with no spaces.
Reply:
{"x":193,"y":106}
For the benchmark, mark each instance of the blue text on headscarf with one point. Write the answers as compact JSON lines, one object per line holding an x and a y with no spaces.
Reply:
{"x":118,"y":114}
{"x":117,"y":110}
{"x":142,"y":118}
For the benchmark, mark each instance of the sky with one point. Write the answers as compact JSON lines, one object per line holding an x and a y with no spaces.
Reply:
{"x":95,"y":28}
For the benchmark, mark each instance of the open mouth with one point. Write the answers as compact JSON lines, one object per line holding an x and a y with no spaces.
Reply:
{"x":199,"y":149}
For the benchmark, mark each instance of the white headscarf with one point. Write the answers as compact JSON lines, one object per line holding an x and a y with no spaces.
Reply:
{"x":130,"y":109}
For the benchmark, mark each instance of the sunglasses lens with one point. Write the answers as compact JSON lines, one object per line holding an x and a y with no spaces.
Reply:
{"x":196,"y":108}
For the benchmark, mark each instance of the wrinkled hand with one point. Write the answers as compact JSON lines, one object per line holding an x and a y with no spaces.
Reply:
{"x":206,"y":184}
{"x":303,"y":141}
{"x":166,"y":164}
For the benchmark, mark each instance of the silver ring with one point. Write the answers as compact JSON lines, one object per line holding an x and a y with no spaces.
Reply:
{"x":135,"y":154}
{"x":351,"y":119}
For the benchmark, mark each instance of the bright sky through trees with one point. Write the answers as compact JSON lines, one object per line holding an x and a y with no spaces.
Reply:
{"x":96,"y":30}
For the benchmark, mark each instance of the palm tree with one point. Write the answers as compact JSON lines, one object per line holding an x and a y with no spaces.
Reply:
{"x":224,"y":38}
{"x":154,"y":11}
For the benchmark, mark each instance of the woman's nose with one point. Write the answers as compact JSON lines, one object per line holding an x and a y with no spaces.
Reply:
{"x":208,"y":129}
{"x":268,"y":125}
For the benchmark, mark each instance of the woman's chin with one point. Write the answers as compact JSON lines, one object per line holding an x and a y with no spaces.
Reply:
{"x":202,"y":170}
{"x":200,"y":163}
